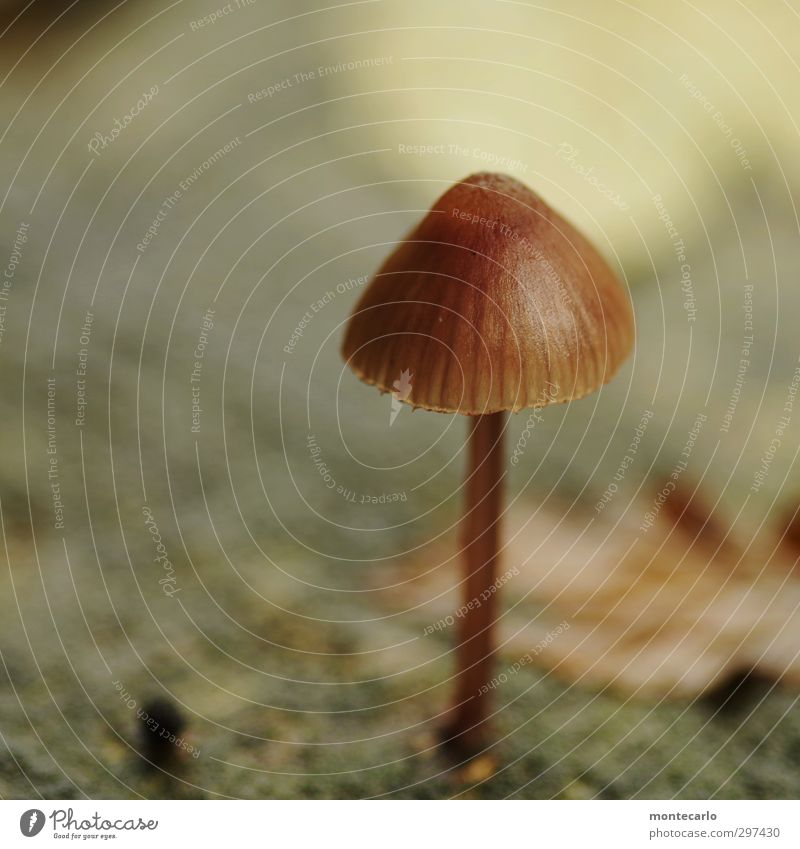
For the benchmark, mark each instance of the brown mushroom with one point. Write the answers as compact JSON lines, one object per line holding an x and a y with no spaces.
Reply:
{"x":494,"y":303}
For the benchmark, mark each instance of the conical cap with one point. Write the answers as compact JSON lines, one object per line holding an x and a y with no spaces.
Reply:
{"x":494,"y":302}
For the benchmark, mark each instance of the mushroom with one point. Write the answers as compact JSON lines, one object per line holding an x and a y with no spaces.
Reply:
{"x":494,"y":303}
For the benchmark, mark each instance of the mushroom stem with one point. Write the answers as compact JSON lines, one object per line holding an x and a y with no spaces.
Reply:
{"x":466,"y":728}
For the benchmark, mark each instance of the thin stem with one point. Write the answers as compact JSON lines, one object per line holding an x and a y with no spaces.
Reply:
{"x":481,"y":532}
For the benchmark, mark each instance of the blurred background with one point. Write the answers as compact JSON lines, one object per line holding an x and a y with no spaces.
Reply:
{"x":208,"y":519}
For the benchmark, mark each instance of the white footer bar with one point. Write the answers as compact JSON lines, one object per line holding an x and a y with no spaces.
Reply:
{"x":402,"y":824}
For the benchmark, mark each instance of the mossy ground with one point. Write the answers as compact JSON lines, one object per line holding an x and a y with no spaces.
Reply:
{"x":263,"y":733}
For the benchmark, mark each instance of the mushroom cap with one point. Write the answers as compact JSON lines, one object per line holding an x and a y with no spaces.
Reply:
{"x":494,"y":302}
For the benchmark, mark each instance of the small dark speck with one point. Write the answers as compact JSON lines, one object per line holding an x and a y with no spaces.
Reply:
{"x":161,"y":722}
{"x":743,"y":689}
